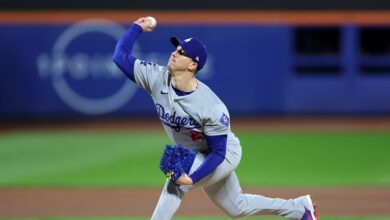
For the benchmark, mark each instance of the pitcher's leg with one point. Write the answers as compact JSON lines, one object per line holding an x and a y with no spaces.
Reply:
{"x":228,"y":196}
{"x":168,"y":202}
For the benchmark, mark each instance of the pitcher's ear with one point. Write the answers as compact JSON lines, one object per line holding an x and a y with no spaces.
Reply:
{"x":193,"y":66}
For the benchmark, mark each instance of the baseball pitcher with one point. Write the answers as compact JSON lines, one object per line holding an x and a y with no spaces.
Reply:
{"x":206,"y":151}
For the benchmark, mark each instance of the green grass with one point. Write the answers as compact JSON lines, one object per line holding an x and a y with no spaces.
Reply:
{"x":69,"y":158}
{"x":315,"y":159}
{"x":79,"y":159}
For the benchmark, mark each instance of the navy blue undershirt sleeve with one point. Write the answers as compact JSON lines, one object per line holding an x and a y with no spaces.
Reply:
{"x":122,"y":55}
{"x":217,"y":152}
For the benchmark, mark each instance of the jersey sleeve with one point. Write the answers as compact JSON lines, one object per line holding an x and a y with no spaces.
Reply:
{"x":146,"y":74}
{"x":218,"y":123}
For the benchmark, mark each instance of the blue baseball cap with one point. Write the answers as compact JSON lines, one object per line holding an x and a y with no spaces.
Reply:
{"x":195,"y":49}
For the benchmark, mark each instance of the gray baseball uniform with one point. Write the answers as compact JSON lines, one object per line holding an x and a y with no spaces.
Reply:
{"x":193,"y":120}
{"x":203,"y":112}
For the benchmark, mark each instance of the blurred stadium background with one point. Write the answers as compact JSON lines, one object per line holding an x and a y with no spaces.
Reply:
{"x":307,"y":84}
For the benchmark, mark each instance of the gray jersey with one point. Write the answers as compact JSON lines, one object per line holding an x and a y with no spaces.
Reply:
{"x":186,"y":119}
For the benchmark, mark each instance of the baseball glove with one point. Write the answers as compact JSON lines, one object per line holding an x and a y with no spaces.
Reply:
{"x":176,"y":160}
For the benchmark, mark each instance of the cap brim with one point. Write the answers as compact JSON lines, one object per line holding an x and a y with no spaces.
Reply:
{"x":175,"y":41}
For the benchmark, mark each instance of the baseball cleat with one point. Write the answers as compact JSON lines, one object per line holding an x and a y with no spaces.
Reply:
{"x":310,"y":209}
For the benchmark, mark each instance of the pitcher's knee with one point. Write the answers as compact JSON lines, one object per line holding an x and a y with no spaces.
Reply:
{"x":237,"y":211}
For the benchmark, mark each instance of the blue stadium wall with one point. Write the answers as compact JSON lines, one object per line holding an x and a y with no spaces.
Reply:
{"x":56,"y":65}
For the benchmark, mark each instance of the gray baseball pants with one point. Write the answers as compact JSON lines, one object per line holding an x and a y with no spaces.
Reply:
{"x":224,"y":190}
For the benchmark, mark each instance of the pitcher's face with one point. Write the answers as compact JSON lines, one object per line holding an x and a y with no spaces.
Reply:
{"x":179,"y":60}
